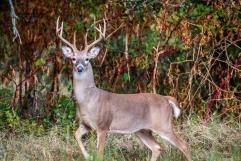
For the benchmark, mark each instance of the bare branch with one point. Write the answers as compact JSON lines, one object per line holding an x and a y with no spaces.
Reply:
{"x":14,"y":19}
{"x":158,"y":53}
{"x":154,"y":76}
{"x":122,"y":24}
{"x":105,"y":53}
{"x":127,"y":55}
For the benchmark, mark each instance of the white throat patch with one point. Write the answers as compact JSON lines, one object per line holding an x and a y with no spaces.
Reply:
{"x":79,"y":76}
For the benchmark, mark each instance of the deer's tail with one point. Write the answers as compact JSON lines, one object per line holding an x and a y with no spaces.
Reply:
{"x":174,"y":104}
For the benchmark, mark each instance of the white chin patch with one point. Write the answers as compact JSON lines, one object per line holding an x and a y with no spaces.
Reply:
{"x":79,"y":76}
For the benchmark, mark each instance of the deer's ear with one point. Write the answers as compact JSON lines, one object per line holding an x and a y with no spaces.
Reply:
{"x":67,"y":51}
{"x":93,"y":52}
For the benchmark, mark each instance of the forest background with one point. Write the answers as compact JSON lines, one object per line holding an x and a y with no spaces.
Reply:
{"x":189,"y":49}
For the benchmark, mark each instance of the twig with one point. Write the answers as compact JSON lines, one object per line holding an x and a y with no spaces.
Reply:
{"x":14,"y":19}
{"x":126,"y":55}
{"x":155,"y":66}
{"x":121,"y":25}
{"x":204,"y":77}
{"x":105,"y":53}
{"x":218,"y":91}
{"x":17,"y":85}
{"x":229,"y":64}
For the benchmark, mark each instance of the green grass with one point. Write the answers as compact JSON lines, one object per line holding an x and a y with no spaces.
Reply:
{"x":213,"y":142}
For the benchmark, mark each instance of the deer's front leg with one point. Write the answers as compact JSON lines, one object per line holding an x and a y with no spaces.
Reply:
{"x":101,"y":136}
{"x":82,"y":130}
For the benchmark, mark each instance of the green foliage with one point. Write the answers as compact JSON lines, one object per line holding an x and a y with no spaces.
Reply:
{"x":125,"y":76}
{"x":10,"y":119}
{"x":39,"y":62}
{"x":116,"y":45}
{"x":152,"y":38}
{"x":201,"y":10}
{"x":87,"y":7}
{"x":78,"y":26}
{"x":173,"y":18}
{"x":64,"y":111}
{"x":6,"y":115}
{"x":142,"y":7}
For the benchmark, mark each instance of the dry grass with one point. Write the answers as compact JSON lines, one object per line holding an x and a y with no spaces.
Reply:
{"x":216,"y":142}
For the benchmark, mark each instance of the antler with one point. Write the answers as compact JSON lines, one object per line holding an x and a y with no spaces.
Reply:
{"x":101,"y":36}
{"x":59,"y":32}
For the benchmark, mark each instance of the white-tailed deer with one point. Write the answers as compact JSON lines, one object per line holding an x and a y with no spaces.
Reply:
{"x":108,"y":112}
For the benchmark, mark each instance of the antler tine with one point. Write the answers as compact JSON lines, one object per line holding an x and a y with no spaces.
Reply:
{"x":74,"y":39}
{"x":59,"y":32}
{"x":57,"y":26}
{"x":104,"y":28}
{"x":101,"y":36}
{"x":86,"y":37}
{"x":61,"y":28}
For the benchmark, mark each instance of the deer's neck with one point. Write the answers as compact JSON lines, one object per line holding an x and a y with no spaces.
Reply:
{"x":84,"y":85}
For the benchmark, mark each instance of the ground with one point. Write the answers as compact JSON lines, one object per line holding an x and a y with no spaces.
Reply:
{"x":215,"y":141}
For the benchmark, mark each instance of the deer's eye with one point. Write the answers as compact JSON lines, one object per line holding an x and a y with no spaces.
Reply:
{"x":86,"y":59}
{"x":73,"y":59}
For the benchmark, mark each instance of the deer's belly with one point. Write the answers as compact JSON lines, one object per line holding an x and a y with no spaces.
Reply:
{"x":127,"y":126}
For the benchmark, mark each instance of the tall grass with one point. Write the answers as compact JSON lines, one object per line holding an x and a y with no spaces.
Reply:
{"x":213,"y":142}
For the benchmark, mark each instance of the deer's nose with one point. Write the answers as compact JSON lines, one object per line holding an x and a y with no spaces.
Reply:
{"x":80,"y":69}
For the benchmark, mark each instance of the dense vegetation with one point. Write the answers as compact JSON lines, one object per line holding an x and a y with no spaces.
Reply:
{"x":188,"y":49}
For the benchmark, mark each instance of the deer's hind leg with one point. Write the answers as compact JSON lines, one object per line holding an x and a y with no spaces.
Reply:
{"x":167,"y":133}
{"x":151,"y":143}
{"x":175,"y":140}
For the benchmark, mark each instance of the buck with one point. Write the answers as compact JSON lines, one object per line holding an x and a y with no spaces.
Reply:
{"x":107,"y":112}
